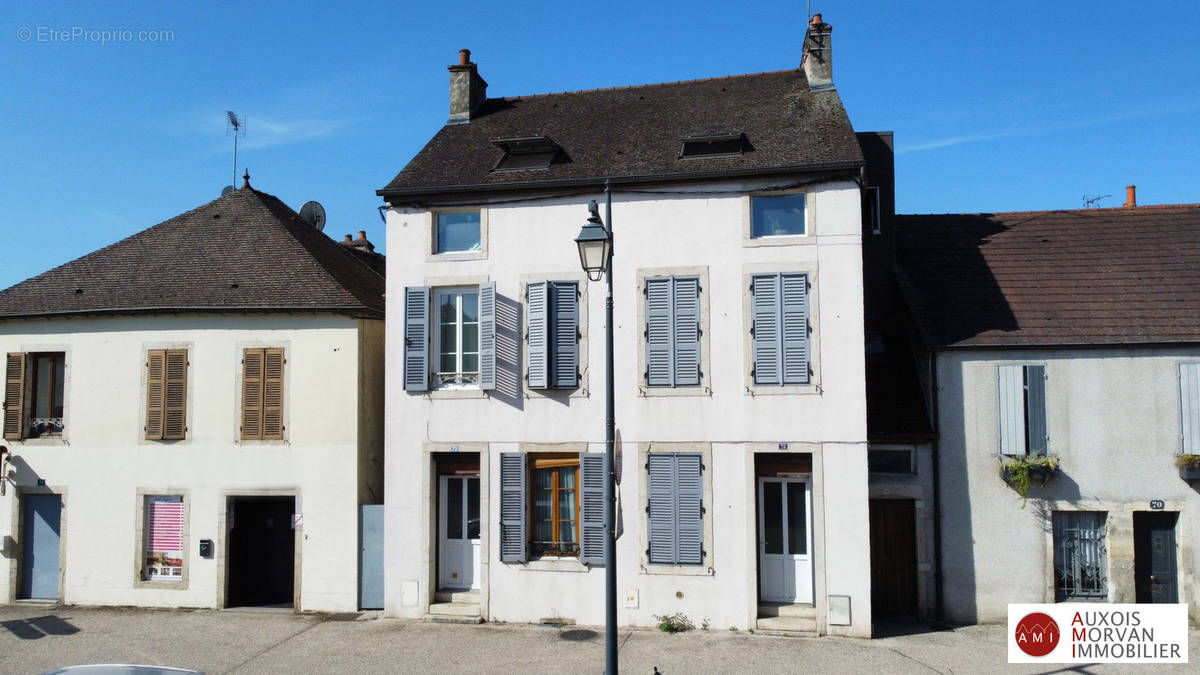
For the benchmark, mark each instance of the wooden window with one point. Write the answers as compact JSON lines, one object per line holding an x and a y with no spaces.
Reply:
{"x":556,"y":506}
{"x":166,"y":394}
{"x":262,"y":394}
{"x":14,"y":395}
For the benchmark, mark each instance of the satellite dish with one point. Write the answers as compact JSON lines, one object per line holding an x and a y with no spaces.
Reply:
{"x":313,"y":214}
{"x":226,"y":190}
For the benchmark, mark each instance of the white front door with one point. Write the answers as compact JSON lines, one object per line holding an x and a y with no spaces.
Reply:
{"x":785,"y":539}
{"x":458,"y":532}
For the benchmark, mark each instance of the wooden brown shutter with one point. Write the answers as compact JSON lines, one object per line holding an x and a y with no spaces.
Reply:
{"x":252,"y":393}
{"x":175,"y":400}
{"x":14,"y":396}
{"x":155,"y":393}
{"x":273,"y":394}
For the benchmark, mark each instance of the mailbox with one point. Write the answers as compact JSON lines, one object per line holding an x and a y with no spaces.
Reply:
{"x":206,"y":548}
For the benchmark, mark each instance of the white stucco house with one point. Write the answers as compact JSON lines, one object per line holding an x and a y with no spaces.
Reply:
{"x":1073,"y":336}
{"x":740,"y":403}
{"x":193,"y":416}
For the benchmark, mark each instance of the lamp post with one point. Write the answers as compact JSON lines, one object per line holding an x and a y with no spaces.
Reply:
{"x":595,"y":242}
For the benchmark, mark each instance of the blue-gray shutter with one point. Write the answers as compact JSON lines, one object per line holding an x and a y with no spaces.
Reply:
{"x":564,"y":344}
{"x":416,"y":338}
{"x":689,"y":511}
{"x":1189,"y":407}
{"x":687,"y":330}
{"x":512,"y":507}
{"x":768,"y":352}
{"x":1035,"y":408}
{"x":794,"y":327}
{"x":660,"y":347}
{"x":660,"y":492}
{"x":591,"y":508}
{"x":1010,"y":391}
{"x":487,"y":335}
{"x":537,"y":300}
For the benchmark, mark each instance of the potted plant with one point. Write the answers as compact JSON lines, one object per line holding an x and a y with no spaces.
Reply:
{"x":1189,"y":466}
{"x":1020,"y":470}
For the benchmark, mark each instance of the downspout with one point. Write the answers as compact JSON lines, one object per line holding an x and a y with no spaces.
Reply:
{"x":937,"y":490}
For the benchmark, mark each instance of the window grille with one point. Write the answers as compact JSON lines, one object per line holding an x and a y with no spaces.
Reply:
{"x":1080,"y":555}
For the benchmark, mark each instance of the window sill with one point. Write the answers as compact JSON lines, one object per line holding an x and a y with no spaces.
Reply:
{"x":658,"y":569}
{"x":457,"y":393}
{"x":41,"y":440}
{"x":455,"y":256}
{"x":557,"y":394}
{"x":657,"y":392}
{"x":783,"y":390}
{"x":162,"y":585}
{"x":780,"y":240}
{"x":548,"y":564}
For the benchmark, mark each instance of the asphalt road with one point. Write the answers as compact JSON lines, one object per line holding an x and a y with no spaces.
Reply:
{"x":35,"y":639}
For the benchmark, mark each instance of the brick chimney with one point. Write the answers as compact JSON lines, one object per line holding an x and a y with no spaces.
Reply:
{"x":362,"y":243}
{"x":467,"y":89}
{"x":1130,"y":196}
{"x":817,"y":61}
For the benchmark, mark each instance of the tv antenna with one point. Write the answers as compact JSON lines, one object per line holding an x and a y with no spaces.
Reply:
{"x":235,"y":126}
{"x":1090,"y":202}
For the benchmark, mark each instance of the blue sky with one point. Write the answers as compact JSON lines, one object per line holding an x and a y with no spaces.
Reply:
{"x":995,"y":106}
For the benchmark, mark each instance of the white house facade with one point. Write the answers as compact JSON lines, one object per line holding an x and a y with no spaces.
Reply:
{"x":186,"y":429}
{"x":739,"y":371}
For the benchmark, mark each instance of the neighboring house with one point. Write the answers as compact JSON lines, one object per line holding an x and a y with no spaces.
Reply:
{"x":740,"y":401}
{"x":1072,"y":334}
{"x":194,"y":415}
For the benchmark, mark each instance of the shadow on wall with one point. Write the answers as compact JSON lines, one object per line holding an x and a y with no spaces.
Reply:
{"x":958,"y":549}
{"x":508,"y":352}
{"x":39,"y":627}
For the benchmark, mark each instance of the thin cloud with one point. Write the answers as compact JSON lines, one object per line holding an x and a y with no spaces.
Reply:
{"x":265,"y":132}
{"x":1158,"y":109}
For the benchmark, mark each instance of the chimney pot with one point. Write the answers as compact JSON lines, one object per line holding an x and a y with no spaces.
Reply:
{"x":1130,"y":196}
{"x":816,"y":18}
{"x":362,"y":235}
{"x":347,"y":238}
{"x":464,"y":57}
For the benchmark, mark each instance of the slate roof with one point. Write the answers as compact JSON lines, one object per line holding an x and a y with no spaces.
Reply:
{"x":1050,"y":278}
{"x":246,"y":251}
{"x":637,"y":132}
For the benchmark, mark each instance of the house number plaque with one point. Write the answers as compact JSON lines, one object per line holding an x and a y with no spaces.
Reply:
{"x":1156,"y":504}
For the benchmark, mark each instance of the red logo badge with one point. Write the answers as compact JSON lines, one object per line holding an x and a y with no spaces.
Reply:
{"x":1037,"y":634}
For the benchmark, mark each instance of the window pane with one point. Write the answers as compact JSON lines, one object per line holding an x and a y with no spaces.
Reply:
{"x":448,"y":363}
{"x":42,"y":401}
{"x":454,"y":508}
{"x":773,"y":216}
{"x":773,"y":517}
{"x":458,"y":232}
{"x":470,"y":307}
{"x":472,"y":508}
{"x":1079,"y":554}
{"x":797,"y":525}
{"x":470,"y":363}
{"x":448,"y":309}
{"x":470,"y":338}
{"x":59,"y":375}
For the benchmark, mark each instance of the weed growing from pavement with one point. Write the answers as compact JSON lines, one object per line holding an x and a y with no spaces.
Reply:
{"x":676,"y":623}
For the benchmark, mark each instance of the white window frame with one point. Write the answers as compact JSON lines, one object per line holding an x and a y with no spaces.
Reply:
{"x":436,"y":320}
{"x":809,"y":236}
{"x":431,"y":249}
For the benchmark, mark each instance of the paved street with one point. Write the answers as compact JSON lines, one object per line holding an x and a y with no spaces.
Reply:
{"x":36,"y":639}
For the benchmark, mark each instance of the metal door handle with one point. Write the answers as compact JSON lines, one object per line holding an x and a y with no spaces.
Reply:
{"x":1153,"y":578}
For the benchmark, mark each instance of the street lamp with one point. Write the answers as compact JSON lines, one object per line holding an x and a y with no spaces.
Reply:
{"x":595,"y":244}
{"x":595,"y":255}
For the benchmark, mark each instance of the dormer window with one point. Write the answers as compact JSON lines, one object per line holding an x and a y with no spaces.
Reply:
{"x":525,"y":153}
{"x":713,"y":145}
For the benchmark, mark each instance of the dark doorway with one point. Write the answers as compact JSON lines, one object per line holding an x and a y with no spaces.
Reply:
{"x":262,"y":549}
{"x":1154,"y":556}
{"x":893,"y":558}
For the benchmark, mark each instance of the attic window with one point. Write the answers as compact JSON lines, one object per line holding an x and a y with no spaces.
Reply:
{"x":713,"y":145}
{"x":525,"y":152}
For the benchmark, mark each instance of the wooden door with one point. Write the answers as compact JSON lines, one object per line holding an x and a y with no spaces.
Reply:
{"x":893,"y":558}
